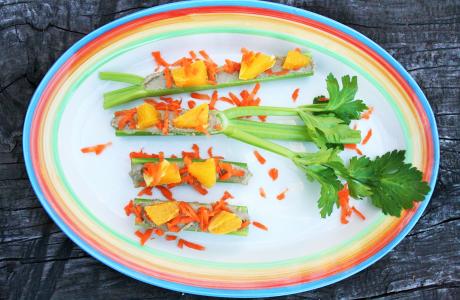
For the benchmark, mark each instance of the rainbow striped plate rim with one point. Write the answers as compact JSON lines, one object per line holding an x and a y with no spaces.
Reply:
{"x":367,"y":55}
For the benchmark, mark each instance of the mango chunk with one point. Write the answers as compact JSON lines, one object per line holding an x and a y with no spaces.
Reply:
{"x":192,"y":75}
{"x":224,"y":222}
{"x":204,"y":172}
{"x":162,"y":212}
{"x":154,"y":172}
{"x":195,"y":118}
{"x":147,"y":116}
{"x":252,"y":65}
{"x":295,"y":60}
{"x":172,"y":175}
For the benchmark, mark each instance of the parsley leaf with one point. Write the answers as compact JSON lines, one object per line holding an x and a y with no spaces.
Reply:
{"x":394,"y":185}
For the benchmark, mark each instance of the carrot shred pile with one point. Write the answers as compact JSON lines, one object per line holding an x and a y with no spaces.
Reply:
{"x":346,"y":210}
{"x":260,"y":225}
{"x":273,"y":173}
{"x":126,"y":118}
{"x":166,"y":104}
{"x":282,"y":195}
{"x":231,"y":66}
{"x":211,"y":66}
{"x":97,"y":149}
{"x":353,"y":147}
{"x":144,"y":236}
{"x":367,"y":114}
{"x":367,"y":137}
{"x":259,"y":157}
{"x":262,"y":192}
{"x":295,"y":95}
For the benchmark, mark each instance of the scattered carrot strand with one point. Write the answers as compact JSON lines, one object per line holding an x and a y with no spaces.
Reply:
{"x":180,"y":243}
{"x":146,"y":191}
{"x":259,"y":157}
{"x":165,"y":128}
{"x":144,"y":236}
{"x":282,"y":195}
{"x":295,"y":95}
{"x":159,"y":232}
{"x":191,"y":245}
{"x":226,"y":99}
{"x":260,"y":225}
{"x":214,"y":98}
{"x":170,"y":237}
{"x":367,"y":114}
{"x":142,"y":154}
{"x":191,"y":104}
{"x":360,"y":214}
{"x":367,"y":137}
{"x":273,"y":173}
{"x":129,"y":208}
{"x":96,"y":148}
{"x":353,"y":147}
{"x":262,"y":192}
{"x":256,"y":89}
{"x":200,"y":96}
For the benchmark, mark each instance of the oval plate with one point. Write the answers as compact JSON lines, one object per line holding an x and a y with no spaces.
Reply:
{"x":85,"y":194}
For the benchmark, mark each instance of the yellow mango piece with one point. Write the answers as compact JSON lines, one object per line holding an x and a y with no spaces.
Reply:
{"x":204,"y":172}
{"x":194,"y":118}
{"x":162,"y":212}
{"x":224,"y":222}
{"x":172,"y":175}
{"x":295,"y":60}
{"x":154,"y":172}
{"x":255,"y":65}
{"x":193,"y":75}
{"x":147,"y":116}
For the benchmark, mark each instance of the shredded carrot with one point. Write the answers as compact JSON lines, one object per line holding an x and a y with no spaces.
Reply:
{"x":172,"y":228}
{"x":259,"y":157}
{"x":191,"y":104}
{"x":210,"y":65}
{"x":142,"y":154}
{"x":262,"y":118}
{"x":227,"y":168}
{"x":129,"y":208}
{"x":262,"y":192}
{"x":360,"y":214}
{"x":144,"y":236}
{"x":159,"y":60}
{"x":218,"y":127}
{"x":235,"y":99}
{"x":126,"y":117}
{"x":192,"y":54}
{"x":231,"y":66}
{"x":226,"y":99}
{"x":159,"y":232}
{"x":168,"y":78}
{"x":214,"y":98}
{"x":96,"y":149}
{"x":170,"y":237}
{"x":367,"y":114}
{"x":138,"y":212}
{"x":200,"y":96}
{"x":245,"y":224}
{"x":165,"y":129}
{"x":165,"y":192}
{"x":282,"y":195}
{"x":353,"y":147}
{"x":343,"y":196}
{"x":187,"y":210}
{"x":196,"y":151}
{"x":279,"y":73}
{"x":226,"y":196}
{"x":367,"y":137}
{"x":273,"y":173}
{"x":190,"y":245}
{"x":146,"y":191}
{"x":295,"y":95}
{"x":259,"y":225}
{"x":256,"y":89}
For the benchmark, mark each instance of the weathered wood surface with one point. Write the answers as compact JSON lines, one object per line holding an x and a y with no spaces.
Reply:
{"x":37,"y":261}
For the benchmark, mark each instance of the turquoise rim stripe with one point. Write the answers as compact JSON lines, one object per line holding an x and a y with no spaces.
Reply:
{"x":222,"y":292}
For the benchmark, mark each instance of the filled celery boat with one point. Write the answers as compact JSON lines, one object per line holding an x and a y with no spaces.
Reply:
{"x":145,"y":222}
{"x":161,"y":83}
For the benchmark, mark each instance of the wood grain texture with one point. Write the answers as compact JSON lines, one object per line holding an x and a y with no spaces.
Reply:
{"x":37,"y":261}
